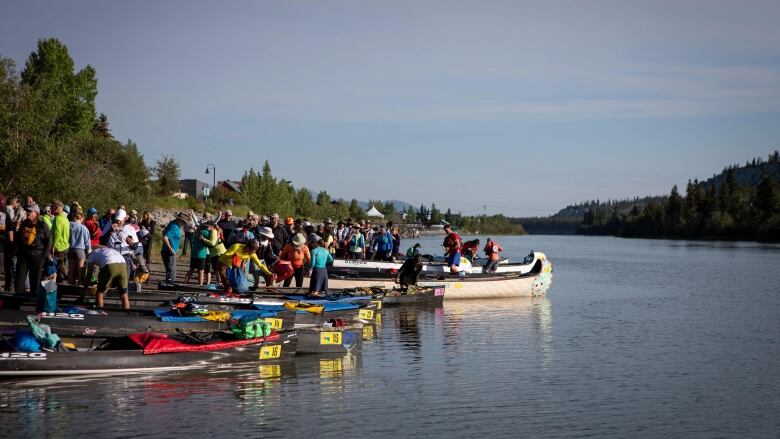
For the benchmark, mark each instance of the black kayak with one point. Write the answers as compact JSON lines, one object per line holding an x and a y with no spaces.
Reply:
{"x":150,"y":352}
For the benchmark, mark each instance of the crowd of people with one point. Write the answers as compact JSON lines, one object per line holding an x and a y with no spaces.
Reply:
{"x":80,"y":247}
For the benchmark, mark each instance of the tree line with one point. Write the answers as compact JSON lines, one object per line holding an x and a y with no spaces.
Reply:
{"x":53,"y":143}
{"x":730,"y":211}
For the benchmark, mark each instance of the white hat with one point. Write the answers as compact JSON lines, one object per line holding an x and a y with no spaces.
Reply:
{"x":120,"y":215}
{"x":266,"y":231}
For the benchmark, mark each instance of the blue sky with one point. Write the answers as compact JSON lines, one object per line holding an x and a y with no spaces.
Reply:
{"x":521,"y":106}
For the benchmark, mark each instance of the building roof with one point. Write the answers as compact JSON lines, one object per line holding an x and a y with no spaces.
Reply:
{"x":232,"y":185}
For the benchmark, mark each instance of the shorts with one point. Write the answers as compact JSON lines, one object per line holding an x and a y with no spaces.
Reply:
{"x":198,"y":263}
{"x":453,"y":259}
{"x":113,"y":275}
{"x":77,"y":254}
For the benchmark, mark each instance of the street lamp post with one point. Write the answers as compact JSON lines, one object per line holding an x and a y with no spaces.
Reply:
{"x":214,"y":175}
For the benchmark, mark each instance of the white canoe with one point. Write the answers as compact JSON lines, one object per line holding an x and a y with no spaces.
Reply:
{"x":535,"y":282}
{"x":439,"y":267}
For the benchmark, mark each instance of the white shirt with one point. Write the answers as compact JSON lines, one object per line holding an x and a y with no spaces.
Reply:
{"x":118,"y":238}
{"x":103,"y":256}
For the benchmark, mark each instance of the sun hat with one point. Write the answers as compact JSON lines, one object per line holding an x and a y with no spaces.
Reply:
{"x":66,"y":209}
{"x":92,"y":211}
{"x":183,"y":216}
{"x":298,"y":240}
{"x":33,"y":207}
{"x":120,"y":215}
{"x":327,"y":221}
{"x":289,"y":221}
{"x":266,"y":231}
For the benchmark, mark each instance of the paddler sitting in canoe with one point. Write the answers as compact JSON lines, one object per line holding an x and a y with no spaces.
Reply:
{"x":236,"y":257}
{"x":110,"y":269}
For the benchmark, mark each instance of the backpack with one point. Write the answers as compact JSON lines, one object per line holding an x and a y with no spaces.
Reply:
{"x":250,"y":326}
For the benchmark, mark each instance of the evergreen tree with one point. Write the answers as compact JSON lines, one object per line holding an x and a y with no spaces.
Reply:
{"x":435,"y":214}
{"x":767,"y":200}
{"x":674,"y":206}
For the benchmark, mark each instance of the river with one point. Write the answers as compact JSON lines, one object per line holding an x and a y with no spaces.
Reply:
{"x":636,"y":338}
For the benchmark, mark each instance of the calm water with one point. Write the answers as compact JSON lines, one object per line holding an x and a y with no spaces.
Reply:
{"x":635,"y":339}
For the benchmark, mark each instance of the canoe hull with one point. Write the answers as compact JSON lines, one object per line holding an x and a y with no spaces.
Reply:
{"x":119,"y":362}
{"x":455,"y":288}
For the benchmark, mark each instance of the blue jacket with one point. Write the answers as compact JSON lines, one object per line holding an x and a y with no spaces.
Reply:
{"x":384,"y":243}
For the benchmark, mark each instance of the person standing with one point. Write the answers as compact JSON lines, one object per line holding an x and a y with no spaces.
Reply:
{"x":297,"y":253}
{"x":33,"y":249}
{"x":150,"y":225}
{"x":281,"y":236}
{"x":265,"y":252}
{"x":198,"y":254}
{"x":107,"y":219}
{"x":492,"y":250}
{"x":356,"y":244}
{"x":216,"y":249}
{"x":172,"y":235}
{"x":60,"y":233}
{"x":95,"y":231}
{"x":396,"y":237}
{"x":79,"y":248}
{"x":384,"y":245}
{"x":320,"y":258}
{"x":227,"y":225}
{"x":14,"y":216}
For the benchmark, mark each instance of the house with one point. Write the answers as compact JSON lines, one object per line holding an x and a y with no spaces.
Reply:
{"x":230,"y":186}
{"x":192,"y":187}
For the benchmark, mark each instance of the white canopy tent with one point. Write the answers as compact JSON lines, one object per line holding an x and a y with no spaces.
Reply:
{"x":373,"y":213}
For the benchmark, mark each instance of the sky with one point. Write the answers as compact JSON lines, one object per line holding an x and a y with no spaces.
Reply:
{"x":507,"y":107}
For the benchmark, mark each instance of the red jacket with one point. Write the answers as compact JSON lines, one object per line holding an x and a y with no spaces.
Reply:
{"x":94,"y":231}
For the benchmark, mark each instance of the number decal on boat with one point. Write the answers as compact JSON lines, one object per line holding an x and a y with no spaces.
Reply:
{"x":61,"y":315}
{"x":438,"y":291}
{"x":275,"y":323}
{"x":234,"y":300}
{"x":368,"y":333}
{"x":330,"y":338}
{"x":269,"y":352}
{"x":23,"y":356}
{"x":378,"y":303}
{"x":366,"y":314}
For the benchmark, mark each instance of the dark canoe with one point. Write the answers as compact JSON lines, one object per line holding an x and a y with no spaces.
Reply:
{"x":416,"y":296}
{"x":348,"y":339}
{"x":122,"y":356}
{"x":150,"y":301}
{"x":122,"y":323}
{"x":368,"y":312}
{"x":171,"y":290}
